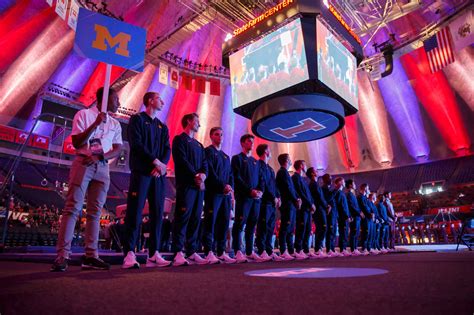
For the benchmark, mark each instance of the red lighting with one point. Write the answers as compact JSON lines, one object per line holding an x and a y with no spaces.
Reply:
{"x":437,"y":98}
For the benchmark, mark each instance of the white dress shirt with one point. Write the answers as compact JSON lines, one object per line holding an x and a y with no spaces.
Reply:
{"x":109,"y":132}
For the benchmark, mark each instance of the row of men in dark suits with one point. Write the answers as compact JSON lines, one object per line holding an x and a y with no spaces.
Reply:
{"x":207,"y":179}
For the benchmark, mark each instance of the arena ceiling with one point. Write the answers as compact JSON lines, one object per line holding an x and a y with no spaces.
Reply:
{"x":407,"y":117}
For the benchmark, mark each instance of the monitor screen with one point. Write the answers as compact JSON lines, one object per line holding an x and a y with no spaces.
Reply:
{"x":271,"y":64}
{"x":337,"y":67}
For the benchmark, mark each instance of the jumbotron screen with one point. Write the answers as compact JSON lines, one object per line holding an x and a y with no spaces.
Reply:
{"x":271,"y":64}
{"x":337,"y":67}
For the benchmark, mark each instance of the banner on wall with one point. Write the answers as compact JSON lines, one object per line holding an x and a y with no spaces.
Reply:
{"x":462,"y":30}
{"x":187,"y":80}
{"x":40,"y":142}
{"x":73,"y":14}
{"x":163,"y":77}
{"x":7,"y":134}
{"x":50,"y":2}
{"x":448,"y":210}
{"x":68,"y":148}
{"x":61,"y":8}
{"x":200,"y":84}
{"x":21,"y":137}
{"x":215,"y":87}
{"x":174,"y":78}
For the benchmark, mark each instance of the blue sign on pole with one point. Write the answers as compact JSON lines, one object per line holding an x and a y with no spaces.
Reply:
{"x":111,"y":41}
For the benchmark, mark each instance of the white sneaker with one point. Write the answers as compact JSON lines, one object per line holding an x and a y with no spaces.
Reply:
{"x":321,"y":254}
{"x":240,"y":257}
{"x":384,"y":251}
{"x":226,"y":259}
{"x":130,"y":261}
{"x":255,"y":257}
{"x":300,"y":256}
{"x":365,"y":252}
{"x":312,"y":255}
{"x":374,"y":252}
{"x":212,"y":259}
{"x":157,"y":261}
{"x":346,"y":253}
{"x":180,"y":260}
{"x":332,"y":254}
{"x":265,"y":256}
{"x":198,"y":260}
{"x":356,"y":252}
{"x":287,"y":256}
{"x":275,"y":257}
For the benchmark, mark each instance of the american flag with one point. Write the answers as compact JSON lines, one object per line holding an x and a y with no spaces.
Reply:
{"x":439,"y":50}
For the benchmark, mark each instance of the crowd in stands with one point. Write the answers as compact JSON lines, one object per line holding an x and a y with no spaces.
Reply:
{"x":44,"y":221}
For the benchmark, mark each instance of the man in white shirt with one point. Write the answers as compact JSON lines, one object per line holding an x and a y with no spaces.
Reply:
{"x":97,"y":137}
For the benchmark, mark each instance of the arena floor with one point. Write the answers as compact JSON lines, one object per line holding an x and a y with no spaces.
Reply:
{"x":407,"y":283}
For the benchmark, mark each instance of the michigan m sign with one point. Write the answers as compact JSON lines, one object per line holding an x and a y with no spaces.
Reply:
{"x":111,"y":41}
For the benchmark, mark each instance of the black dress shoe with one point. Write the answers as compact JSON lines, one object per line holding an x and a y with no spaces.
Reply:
{"x":59,"y":265}
{"x":94,"y":263}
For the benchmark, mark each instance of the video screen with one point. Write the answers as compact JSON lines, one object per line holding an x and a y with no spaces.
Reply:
{"x":271,"y":64}
{"x":337,"y":67}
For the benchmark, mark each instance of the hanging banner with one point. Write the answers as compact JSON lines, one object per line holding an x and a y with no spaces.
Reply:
{"x":73,"y":14}
{"x":163,"y":77}
{"x":462,"y":30}
{"x":187,"y":80}
{"x":174,"y":82}
{"x":50,"y":2}
{"x":61,"y":8}
{"x":215,"y":87}
{"x":200,"y":84}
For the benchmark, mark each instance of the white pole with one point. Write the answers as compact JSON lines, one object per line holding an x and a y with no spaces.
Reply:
{"x":105,"y":97}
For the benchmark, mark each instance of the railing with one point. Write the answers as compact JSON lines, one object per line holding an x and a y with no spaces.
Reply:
{"x":10,"y":177}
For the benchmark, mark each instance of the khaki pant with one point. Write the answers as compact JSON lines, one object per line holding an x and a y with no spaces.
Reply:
{"x":93,"y":180}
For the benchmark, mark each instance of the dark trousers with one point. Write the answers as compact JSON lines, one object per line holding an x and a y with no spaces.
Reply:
{"x":392,"y":232}
{"x":376,"y":229}
{"x":331,"y":230}
{"x":303,"y":229}
{"x":366,"y":226}
{"x":216,"y":222}
{"x":320,"y":220}
{"x":384,"y":234}
{"x":343,"y":233}
{"x":187,"y":219}
{"x":265,"y":227}
{"x":287,"y":227}
{"x":144,"y":187}
{"x":354,"y":236}
{"x":246,"y":214}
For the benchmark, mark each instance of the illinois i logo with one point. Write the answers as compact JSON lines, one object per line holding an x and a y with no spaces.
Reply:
{"x":298,"y":118}
{"x":302,"y":126}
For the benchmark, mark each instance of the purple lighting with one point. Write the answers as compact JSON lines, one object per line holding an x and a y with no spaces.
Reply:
{"x":401,"y":103}
{"x":73,"y":72}
{"x":166,"y":94}
{"x":5,"y":5}
{"x":318,"y":153}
